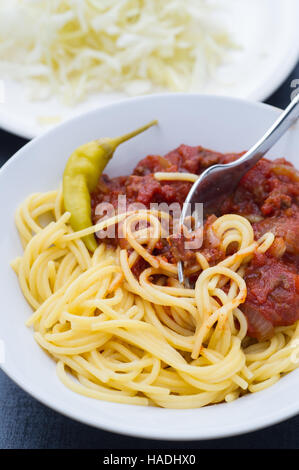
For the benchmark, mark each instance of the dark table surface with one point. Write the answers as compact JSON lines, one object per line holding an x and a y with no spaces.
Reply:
{"x":25,"y":423}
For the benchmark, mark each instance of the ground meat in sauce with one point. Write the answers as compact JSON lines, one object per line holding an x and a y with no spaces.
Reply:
{"x":142,"y":187}
{"x":272,"y":297}
{"x":268,"y":195}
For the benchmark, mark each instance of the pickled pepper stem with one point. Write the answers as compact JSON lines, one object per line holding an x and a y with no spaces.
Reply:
{"x":119,"y":140}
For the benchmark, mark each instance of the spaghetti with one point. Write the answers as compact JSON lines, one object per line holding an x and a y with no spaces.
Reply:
{"x":144,"y":340}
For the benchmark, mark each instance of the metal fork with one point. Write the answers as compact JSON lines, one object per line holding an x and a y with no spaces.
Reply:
{"x":218,"y":181}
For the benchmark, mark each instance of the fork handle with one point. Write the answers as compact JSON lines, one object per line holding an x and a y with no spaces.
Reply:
{"x":283,"y":123}
{"x":250,"y":158}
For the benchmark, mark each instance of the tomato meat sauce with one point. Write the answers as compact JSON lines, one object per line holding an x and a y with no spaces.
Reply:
{"x":268,"y":196}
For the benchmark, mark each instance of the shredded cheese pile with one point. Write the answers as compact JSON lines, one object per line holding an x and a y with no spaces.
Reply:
{"x":72,"y":48}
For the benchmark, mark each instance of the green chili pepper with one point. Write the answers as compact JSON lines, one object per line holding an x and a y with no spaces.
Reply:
{"x":81,"y":176}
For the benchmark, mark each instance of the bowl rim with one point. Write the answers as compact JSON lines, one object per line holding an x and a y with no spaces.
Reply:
{"x":121,"y":428}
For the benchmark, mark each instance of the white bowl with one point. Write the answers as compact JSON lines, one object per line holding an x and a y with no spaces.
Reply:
{"x":223,"y":124}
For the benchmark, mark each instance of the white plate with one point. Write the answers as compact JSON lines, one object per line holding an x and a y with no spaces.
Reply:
{"x":223,"y":124}
{"x":266,"y":30}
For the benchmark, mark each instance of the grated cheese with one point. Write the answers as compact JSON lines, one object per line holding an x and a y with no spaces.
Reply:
{"x":73,"y":48}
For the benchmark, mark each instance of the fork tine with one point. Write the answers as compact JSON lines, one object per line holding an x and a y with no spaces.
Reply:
{"x":180,"y":272}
